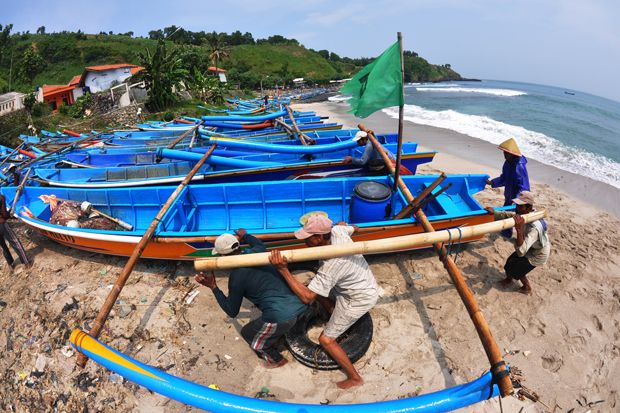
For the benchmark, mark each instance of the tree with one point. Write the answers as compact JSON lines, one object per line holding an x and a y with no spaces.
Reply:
{"x":156,"y":34}
{"x":41,"y":30}
{"x":31,"y":64}
{"x":5,"y":41}
{"x":217,"y":49}
{"x":163,"y":70}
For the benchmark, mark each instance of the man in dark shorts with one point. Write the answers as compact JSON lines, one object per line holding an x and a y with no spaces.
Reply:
{"x":532,"y":246}
{"x":265,"y":288}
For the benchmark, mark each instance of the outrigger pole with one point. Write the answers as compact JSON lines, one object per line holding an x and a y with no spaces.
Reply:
{"x":498,"y":366}
{"x":105,"y":309}
{"x":399,"y":148}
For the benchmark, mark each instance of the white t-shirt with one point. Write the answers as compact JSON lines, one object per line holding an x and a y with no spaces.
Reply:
{"x":350,"y":277}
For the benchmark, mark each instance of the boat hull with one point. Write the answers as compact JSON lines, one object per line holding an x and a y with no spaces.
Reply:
{"x":190,"y":251}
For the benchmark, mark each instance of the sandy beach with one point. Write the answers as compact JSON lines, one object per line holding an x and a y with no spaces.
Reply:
{"x":564,"y":338}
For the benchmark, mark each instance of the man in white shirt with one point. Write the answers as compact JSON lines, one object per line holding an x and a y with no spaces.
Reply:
{"x":349,"y":278}
{"x":532,"y":246}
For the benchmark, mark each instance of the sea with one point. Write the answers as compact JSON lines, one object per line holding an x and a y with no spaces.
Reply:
{"x":569,"y":129}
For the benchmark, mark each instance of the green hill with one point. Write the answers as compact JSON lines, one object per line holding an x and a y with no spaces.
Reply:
{"x":29,"y":60}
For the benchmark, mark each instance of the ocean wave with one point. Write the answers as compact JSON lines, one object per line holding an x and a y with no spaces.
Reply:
{"x":485,"y":91}
{"x":338,"y":98}
{"x":536,"y":145}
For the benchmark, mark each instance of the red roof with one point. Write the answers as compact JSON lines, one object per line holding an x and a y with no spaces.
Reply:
{"x":75,"y":80}
{"x":216,"y":69}
{"x":54,"y":89}
{"x":134,"y":68}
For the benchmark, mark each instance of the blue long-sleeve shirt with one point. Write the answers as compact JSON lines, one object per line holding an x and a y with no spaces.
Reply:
{"x":369,"y":153}
{"x":263,"y":286}
{"x":514,"y":179}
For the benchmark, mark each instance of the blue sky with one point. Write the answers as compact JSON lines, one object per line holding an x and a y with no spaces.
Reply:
{"x":567,"y":43}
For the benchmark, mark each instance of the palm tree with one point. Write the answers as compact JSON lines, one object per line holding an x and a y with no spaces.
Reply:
{"x":218,"y":50}
{"x":163,"y":70}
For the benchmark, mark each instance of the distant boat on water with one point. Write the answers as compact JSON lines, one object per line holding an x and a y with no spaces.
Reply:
{"x":569,"y":93}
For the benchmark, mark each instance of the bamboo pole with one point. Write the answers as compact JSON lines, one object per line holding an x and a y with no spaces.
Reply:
{"x":305,"y":140}
{"x":418,"y":200}
{"x":400,"y":111}
{"x":286,"y":128}
{"x":56,"y":151}
{"x":484,"y":333}
{"x":362,"y":247}
{"x":104,"y":311}
{"x":184,"y":135}
{"x":17,"y":148}
{"x":18,"y":193}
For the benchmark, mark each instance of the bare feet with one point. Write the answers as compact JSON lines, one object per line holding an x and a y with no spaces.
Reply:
{"x":280,"y":363}
{"x":348,"y":383}
{"x":505,"y":282}
{"x":526,"y":290}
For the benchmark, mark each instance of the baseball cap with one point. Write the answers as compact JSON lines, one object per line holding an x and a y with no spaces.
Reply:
{"x":525,"y":197}
{"x":225,"y":244}
{"x":359,"y":135}
{"x":316,"y":224}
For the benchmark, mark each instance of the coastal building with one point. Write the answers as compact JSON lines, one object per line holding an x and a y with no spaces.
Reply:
{"x":217,"y":71}
{"x":56,"y":95}
{"x":99,"y":78}
{"x":10,"y":102}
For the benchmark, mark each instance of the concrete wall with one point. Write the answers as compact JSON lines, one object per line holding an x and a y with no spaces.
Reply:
{"x":105,"y":79}
{"x":10,"y":102}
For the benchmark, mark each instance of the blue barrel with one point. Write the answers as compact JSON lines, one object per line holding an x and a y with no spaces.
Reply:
{"x":370,"y":202}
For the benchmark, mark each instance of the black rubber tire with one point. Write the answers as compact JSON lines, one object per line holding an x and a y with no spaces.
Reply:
{"x":355,"y":341}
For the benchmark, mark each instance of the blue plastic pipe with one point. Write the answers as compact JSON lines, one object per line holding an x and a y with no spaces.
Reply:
{"x":217,"y":401}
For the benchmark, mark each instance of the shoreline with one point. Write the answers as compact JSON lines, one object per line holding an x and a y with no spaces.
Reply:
{"x":479,"y":157}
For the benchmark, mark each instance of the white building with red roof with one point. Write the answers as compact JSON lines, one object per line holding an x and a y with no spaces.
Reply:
{"x":99,"y":78}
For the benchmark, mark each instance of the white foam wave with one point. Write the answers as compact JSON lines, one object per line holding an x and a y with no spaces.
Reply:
{"x":536,"y":145}
{"x":338,"y":98}
{"x":484,"y":91}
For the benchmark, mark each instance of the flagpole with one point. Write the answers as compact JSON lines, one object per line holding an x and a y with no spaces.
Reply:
{"x":399,"y":149}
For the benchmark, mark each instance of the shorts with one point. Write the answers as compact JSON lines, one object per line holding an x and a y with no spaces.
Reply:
{"x":517,"y":267}
{"x":344,"y":317}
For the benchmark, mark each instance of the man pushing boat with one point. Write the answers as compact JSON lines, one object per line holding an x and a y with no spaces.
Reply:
{"x":265,"y":288}
{"x":349,"y":279}
{"x":532,"y":246}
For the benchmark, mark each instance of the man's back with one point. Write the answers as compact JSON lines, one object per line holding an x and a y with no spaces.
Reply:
{"x":266,"y":289}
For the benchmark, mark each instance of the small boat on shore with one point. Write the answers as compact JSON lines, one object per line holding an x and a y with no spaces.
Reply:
{"x":269,"y":210}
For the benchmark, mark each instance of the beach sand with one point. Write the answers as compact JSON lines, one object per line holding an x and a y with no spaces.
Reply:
{"x":564,"y":338}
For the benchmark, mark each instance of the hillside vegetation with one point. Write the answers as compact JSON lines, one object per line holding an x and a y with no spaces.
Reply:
{"x":28,"y":60}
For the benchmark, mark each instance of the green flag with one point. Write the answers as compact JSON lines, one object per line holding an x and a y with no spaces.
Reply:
{"x":378,"y":85}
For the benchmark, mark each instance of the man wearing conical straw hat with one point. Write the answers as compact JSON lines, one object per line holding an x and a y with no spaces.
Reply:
{"x":514,"y":177}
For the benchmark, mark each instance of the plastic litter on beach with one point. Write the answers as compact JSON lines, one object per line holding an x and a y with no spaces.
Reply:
{"x":191,"y":296}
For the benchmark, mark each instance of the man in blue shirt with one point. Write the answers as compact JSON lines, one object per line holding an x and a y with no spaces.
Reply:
{"x":514,"y":177}
{"x":265,"y":288}
{"x":371,"y":154}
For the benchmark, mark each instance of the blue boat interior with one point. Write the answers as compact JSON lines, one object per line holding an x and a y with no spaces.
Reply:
{"x":260,"y":207}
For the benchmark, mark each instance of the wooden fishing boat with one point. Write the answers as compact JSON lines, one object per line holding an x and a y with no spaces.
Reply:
{"x":270,"y":210}
{"x":219,"y":169}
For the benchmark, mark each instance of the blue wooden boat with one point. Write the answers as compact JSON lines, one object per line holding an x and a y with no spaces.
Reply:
{"x":218,"y":401}
{"x":257,"y":167}
{"x":266,"y":209}
{"x":140,"y":155}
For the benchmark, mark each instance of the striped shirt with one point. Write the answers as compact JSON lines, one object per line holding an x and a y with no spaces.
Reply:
{"x":349,"y":277}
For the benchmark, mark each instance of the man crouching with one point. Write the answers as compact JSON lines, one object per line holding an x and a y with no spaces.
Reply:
{"x":265,"y":288}
{"x":349,"y":278}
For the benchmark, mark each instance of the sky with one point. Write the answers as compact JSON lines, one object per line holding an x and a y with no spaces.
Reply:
{"x":573,"y":44}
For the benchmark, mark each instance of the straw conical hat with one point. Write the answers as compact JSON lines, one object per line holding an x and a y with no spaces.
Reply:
{"x":510,"y":146}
